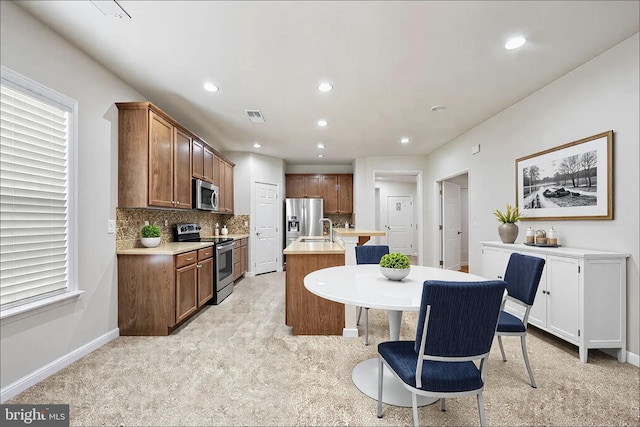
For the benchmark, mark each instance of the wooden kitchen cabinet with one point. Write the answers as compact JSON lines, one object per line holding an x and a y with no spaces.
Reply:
{"x":303,"y":185}
{"x":205,"y":275}
{"x":186,"y":285}
{"x":337,"y":193}
{"x":203,"y":162}
{"x":154,"y":158}
{"x":225,"y":184}
{"x":306,"y":313}
{"x":158,"y":292}
{"x":240,"y":258}
{"x":581,"y":297}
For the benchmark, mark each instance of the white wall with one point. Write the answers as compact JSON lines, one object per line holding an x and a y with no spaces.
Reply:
{"x":251,"y":168}
{"x":30,"y":344}
{"x":598,"y":96}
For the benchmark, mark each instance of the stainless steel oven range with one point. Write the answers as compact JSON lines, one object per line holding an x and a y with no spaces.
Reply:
{"x":222,"y":262}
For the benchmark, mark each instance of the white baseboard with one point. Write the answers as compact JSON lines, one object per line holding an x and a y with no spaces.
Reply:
{"x":35,"y":377}
{"x":634,"y":359}
{"x":350,"y":332}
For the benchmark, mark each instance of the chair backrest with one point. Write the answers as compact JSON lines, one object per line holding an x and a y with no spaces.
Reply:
{"x":523,"y":277}
{"x":370,"y":254}
{"x":462,"y":319}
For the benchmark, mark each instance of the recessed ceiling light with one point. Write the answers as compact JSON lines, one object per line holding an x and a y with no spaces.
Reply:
{"x":438,"y":108}
{"x":256,"y":145}
{"x":515,"y":43}
{"x":320,"y":145}
{"x":405,"y":140}
{"x":210,"y":87}
{"x":322,"y":122}
{"x":320,"y":155}
{"x":325,"y":87}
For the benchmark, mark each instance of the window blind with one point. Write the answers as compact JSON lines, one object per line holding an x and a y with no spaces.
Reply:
{"x":34,"y":195}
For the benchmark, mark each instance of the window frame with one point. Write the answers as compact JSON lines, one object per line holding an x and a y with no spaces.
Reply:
{"x":38,"y":304}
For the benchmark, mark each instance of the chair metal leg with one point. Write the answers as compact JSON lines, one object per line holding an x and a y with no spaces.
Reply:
{"x":481,"y":409}
{"x":525,"y":354}
{"x":380,"y":371}
{"x":414,"y":403}
{"x":443,"y":406}
{"x":359,"y":314}
{"x":504,"y":358}
{"x":366,"y":326}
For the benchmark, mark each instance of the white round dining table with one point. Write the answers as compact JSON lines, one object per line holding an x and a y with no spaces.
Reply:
{"x":363,"y":285}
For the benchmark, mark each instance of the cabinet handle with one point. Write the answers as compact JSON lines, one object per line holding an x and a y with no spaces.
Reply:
{"x":189,"y":259}
{"x":499,"y":277}
{"x":198,"y":266}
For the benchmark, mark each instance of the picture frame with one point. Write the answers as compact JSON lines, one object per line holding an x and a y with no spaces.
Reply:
{"x":568,"y":182}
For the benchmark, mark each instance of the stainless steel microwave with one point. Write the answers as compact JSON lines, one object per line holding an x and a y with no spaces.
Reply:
{"x":205,"y":195}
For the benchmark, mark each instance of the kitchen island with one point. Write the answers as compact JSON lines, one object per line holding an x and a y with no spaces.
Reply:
{"x":306,"y":313}
{"x":309,"y":314}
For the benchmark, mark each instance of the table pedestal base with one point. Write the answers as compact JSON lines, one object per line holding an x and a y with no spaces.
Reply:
{"x":365,"y":377}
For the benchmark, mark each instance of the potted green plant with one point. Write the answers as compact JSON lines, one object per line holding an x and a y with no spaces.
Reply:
{"x":395,"y":266}
{"x":150,"y":236}
{"x":508,"y":230}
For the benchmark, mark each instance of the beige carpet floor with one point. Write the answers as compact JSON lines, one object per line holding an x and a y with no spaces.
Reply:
{"x":238,"y":364}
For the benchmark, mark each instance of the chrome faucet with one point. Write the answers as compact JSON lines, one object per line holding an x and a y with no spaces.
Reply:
{"x":330,"y":228}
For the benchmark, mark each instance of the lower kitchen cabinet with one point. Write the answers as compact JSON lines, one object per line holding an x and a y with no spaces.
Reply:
{"x":240,"y":258}
{"x":581,"y":297}
{"x":158,"y":292}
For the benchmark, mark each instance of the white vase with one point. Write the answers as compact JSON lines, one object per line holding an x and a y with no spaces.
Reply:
{"x":395,"y":273}
{"x":150,"y":242}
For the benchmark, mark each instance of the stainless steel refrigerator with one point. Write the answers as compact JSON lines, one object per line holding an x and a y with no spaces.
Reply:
{"x":302,"y":218}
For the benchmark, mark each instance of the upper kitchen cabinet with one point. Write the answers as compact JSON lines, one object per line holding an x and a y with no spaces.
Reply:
{"x":225,"y":184}
{"x":154,"y":158}
{"x":337,"y":193}
{"x":303,"y":185}
{"x":203,"y":163}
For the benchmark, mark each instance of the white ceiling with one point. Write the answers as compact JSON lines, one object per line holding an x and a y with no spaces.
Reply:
{"x":389,"y":62}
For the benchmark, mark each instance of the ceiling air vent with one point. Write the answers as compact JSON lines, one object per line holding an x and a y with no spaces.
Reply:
{"x":255,"y":116}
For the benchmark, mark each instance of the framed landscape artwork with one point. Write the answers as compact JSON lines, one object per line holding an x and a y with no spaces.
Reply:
{"x":572,"y":181}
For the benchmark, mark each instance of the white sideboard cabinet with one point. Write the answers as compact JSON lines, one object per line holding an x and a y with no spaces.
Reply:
{"x":581,"y":297}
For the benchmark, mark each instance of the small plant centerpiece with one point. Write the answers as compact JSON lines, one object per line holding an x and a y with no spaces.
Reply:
{"x":508,"y":230}
{"x":150,"y":236}
{"x":395,"y":266}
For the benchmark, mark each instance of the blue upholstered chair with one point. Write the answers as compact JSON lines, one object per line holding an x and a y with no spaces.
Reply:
{"x":522,"y":277}
{"x":456,"y":326}
{"x":368,"y":255}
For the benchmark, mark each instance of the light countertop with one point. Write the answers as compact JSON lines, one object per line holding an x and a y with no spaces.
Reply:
{"x":357,"y":232}
{"x":313,"y":248}
{"x":175,"y":248}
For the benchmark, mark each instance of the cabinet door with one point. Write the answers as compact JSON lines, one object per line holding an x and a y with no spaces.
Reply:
{"x":186,"y":291}
{"x":217,"y":166}
{"x":345,"y":194}
{"x":160,"y":161}
{"x":330,"y":194}
{"x":182,"y":170}
{"x":197,"y":162}
{"x":244,"y":256}
{"x":208,"y":167}
{"x":538,"y":313}
{"x":237,"y":267}
{"x":313,"y":186}
{"x":493,"y":262}
{"x":205,"y":281}
{"x":295,"y":186}
{"x":562,"y":297}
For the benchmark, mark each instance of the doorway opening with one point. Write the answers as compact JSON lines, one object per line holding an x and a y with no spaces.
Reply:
{"x":454,"y":221}
{"x":398,"y":204}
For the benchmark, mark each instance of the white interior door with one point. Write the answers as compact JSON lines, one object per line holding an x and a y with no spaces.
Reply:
{"x":451,"y":225}
{"x":266,"y":228}
{"x":400,"y":224}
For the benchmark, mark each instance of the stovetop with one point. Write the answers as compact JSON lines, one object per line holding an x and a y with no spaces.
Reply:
{"x":191,"y":233}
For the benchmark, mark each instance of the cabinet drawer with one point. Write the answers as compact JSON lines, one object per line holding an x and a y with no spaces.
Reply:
{"x":205,"y":253}
{"x":186,"y":258}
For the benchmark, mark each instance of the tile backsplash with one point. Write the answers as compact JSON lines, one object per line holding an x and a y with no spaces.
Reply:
{"x":130,"y":221}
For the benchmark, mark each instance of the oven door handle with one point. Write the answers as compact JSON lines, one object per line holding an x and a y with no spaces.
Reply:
{"x":224,"y":246}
